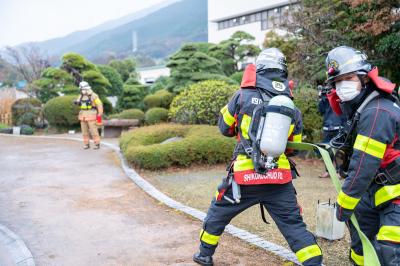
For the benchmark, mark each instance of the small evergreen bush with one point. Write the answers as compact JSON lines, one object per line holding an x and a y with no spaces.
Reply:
{"x":156,"y":115}
{"x":201,"y":103}
{"x":306,"y":99}
{"x":26,"y":111}
{"x":161,"y":98}
{"x":61,"y":112}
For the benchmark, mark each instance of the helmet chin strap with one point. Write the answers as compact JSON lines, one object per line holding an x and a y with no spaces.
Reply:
{"x":361,"y":78}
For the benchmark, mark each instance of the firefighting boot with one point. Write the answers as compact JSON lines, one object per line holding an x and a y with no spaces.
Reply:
{"x":86,"y":146}
{"x":203,"y":260}
{"x":96,"y":146}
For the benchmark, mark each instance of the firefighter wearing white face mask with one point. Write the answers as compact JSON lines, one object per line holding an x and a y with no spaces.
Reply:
{"x":347,"y":90}
{"x":371,"y":189}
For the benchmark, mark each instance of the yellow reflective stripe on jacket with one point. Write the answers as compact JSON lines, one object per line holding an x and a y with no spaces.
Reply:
{"x":291,"y":130}
{"x":308,"y":253}
{"x":370,"y":146}
{"x":245,"y":125}
{"x":209,"y":238}
{"x":389,"y":233}
{"x":97,"y":101}
{"x":346,"y":201}
{"x":297,"y":138}
{"x":86,"y":107}
{"x":358,"y":259}
{"x":283,"y":162}
{"x":386,"y":193}
{"x":243,"y":163}
{"x":228,"y":118}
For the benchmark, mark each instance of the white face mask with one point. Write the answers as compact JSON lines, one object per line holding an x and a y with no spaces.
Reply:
{"x":347,"y":90}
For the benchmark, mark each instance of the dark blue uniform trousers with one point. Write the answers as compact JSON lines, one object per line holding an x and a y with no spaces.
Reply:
{"x":371,"y":220}
{"x":280,"y":202}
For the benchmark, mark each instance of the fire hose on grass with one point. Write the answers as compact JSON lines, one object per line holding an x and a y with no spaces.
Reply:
{"x":370,"y":256}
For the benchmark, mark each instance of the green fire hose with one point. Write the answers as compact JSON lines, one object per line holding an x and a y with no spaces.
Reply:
{"x":370,"y":257}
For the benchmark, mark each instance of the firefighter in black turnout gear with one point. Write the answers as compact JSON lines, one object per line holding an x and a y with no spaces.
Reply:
{"x":370,"y":153}
{"x":251,"y":179}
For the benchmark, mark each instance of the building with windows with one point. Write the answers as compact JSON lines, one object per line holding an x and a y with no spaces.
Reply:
{"x":256,"y":17}
{"x":148,"y":75}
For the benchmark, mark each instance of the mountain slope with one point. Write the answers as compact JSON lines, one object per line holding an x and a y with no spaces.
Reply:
{"x":159,"y":34}
{"x":57,"y":45}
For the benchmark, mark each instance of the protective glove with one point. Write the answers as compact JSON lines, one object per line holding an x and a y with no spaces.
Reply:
{"x":99,"y":120}
{"x":342,"y":214}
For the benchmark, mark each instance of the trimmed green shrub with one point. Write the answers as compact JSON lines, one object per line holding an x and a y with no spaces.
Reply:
{"x":161,"y":98}
{"x":132,"y":96}
{"x":26,"y":130}
{"x":201,"y":144}
{"x":201,"y":102}
{"x":26,"y":111}
{"x":113,"y":77}
{"x":156,"y":115}
{"x":3,"y":126}
{"x":130,"y":114}
{"x":305,"y":98}
{"x":61,"y":112}
{"x":237,"y":76}
{"x":107,"y":106}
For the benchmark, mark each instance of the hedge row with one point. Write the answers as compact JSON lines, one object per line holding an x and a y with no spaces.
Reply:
{"x":130,"y":114}
{"x":152,"y":116}
{"x":200,"y":144}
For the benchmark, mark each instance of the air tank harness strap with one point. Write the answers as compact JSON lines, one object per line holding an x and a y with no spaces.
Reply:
{"x":247,"y":145}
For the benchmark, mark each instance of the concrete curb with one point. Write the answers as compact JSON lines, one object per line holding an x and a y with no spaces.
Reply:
{"x":158,"y":195}
{"x":17,"y":250}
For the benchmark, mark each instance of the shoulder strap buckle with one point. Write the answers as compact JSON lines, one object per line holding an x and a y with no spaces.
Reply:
{"x":249,"y":151}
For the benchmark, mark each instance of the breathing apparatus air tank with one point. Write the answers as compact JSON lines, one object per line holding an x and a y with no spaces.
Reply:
{"x":272,"y":133}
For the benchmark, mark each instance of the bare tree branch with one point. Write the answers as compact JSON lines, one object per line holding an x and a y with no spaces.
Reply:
{"x":28,"y":61}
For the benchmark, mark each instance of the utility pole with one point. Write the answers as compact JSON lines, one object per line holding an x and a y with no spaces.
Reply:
{"x":134,"y":41}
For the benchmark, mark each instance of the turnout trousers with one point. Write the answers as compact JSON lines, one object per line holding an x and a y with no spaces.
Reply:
{"x":280,"y":202}
{"x":89,"y":128}
{"x":381,"y":226}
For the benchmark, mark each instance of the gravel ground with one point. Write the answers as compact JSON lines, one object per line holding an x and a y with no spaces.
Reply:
{"x":196,"y":187}
{"x":76,"y":207}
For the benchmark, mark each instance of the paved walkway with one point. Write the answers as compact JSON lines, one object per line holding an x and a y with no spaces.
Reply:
{"x":76,"y":207}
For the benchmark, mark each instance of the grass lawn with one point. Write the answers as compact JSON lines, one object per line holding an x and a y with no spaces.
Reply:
{"x":196,"y":186}
{"x":3,"y":126}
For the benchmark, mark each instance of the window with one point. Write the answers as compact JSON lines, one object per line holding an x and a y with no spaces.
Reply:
{"x":264,"y":15}
{"x":258,"y":16}
{"x":269,"y":18}
{"x":264,"y":24}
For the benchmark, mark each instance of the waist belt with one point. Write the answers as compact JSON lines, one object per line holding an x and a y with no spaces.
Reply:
{"x":389,"y":175}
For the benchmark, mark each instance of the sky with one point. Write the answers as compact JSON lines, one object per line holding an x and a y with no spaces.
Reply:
{"x":39,"y":20}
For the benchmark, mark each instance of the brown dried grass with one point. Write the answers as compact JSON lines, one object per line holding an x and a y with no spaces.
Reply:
{"x":196,"y":186}
{"x":7,"y":99}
